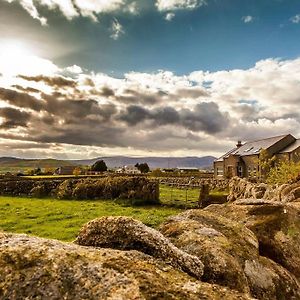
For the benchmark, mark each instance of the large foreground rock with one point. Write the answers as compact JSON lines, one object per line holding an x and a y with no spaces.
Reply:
{"x":275,"y":224}
{"x":230,"y":253}
{"x":125,"y":233}
{"x":35,"y":268}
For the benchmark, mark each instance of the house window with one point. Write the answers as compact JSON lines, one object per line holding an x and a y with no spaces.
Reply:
{"x":219,"y":171}
{"x":240,"y":171}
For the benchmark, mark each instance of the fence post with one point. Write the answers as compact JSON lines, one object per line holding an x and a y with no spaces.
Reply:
{"x":186,"y":197}
{"x":203,"y":196}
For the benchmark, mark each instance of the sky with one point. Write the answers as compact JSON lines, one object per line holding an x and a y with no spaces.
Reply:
{"x":89,"y":78}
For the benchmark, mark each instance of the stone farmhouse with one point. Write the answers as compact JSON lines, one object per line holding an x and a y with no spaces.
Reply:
{"x":242,"y":161}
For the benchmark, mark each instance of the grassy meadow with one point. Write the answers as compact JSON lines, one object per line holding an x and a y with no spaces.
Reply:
{"x":62,"y":219}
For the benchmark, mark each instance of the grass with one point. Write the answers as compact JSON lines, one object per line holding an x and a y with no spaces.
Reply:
{"x":62,"y":219}
{"x":183,"y":198}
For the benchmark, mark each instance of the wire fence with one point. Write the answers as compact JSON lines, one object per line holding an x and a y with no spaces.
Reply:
{"x":187,"y":196}
{"x":183,"y":196}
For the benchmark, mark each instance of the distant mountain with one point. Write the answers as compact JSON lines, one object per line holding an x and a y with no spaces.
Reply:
{"x":13,"y":162}
{"x":111,"y":161}
{"x":153,"y":162}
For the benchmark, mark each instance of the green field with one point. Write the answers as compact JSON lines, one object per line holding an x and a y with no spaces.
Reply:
{"x":182,"y":198}
{"x":62,"y":219}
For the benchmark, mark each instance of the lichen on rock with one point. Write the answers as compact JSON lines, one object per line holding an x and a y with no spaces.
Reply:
{"x":35,"y":268}
{"x":125,"y":233}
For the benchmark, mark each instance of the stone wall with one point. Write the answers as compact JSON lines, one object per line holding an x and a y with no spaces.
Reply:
{"x":139,"y":188}
{"x":240,"y":188}
{"x":214,"y":184}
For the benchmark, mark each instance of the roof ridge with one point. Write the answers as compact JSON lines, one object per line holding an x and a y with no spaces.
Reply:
{"x":269,"y":138}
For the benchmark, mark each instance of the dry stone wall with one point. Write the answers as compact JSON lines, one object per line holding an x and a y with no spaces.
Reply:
{"x":214,"y":184}
{"x":102,"y":188}
{"x":240,"y":188}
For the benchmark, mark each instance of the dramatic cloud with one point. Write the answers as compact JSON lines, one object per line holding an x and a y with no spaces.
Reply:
{"x":73,"y":8}
{"x":247,"y":19}
{"x":57,"y":81}
{"x":12,"y":118}
{"x":205,"y":117}
{"x":201,"y":112}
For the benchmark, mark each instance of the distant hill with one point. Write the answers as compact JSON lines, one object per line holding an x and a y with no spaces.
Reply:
{"x":13,"y":162}
{"x":7,"y":163}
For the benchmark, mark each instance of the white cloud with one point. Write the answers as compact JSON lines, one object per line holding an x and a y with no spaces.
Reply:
{"x":169,"y":16}
{"x":169,"y":5}
{"x":116,"y":29}
{"x":247,"y":19}
{"x":30,"y":7}
{"x":74,"y":69}
{"x":74,"y":8}
{"x":296,"y":19}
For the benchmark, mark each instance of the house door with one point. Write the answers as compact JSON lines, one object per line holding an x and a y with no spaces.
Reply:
{"x":230,"y":171}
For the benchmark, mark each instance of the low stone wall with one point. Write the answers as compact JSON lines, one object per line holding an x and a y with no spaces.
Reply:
{"x":240,"y":188}
{"x":139,"y":188}
{"x":214,"y":184}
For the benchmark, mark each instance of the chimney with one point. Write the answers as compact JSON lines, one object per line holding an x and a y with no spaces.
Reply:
{"x":239,"y":144}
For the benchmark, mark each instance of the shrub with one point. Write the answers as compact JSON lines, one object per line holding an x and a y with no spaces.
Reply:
{"x":65,"y":189}
{"x":284,"y":172}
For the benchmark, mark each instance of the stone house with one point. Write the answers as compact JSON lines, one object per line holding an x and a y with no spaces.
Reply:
{"x":129,"y":170}
{"x":65,"y":170}
{"x":242,"y":161}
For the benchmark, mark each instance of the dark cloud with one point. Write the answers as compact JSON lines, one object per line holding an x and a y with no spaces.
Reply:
{"x":205,"y":117}
{"x":13,"y":118}
{"x":25,"y":89}
{"x":106,"y":92}
{"x":77,"y":108}
{"x":130,"y":96}
{"x":21,"y":99}
{"x":135,"y":114}
{"x":56,"y":81}
{"x":191,"y":92}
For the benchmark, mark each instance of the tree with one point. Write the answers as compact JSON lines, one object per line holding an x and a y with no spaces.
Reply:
{"x":77,"y":171}
{"x":265,"y":163}
{"x":144,"y":168}
{"x":99,"y":166}
{"x":157,"y":173}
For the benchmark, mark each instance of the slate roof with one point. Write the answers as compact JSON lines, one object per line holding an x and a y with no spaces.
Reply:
{"x":292,"y":147}
{"x":253,"y":147}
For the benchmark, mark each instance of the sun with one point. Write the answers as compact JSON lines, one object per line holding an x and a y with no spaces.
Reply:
{"x":13,"y":48}
{"x":20,"y":58}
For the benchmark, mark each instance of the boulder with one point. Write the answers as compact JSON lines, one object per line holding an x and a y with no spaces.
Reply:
{"x":35,"y":268}
{"x":276,"y":226}
{"x":125,"y":233}
{"x":230,"y":253}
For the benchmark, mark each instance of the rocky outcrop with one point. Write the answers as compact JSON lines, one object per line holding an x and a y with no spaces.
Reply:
{"x":240,"y":188}
{"x":230,"y":253}
{"x":35,"y":268}
{"x":276,"y":226}
{"x":128,"y":234}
